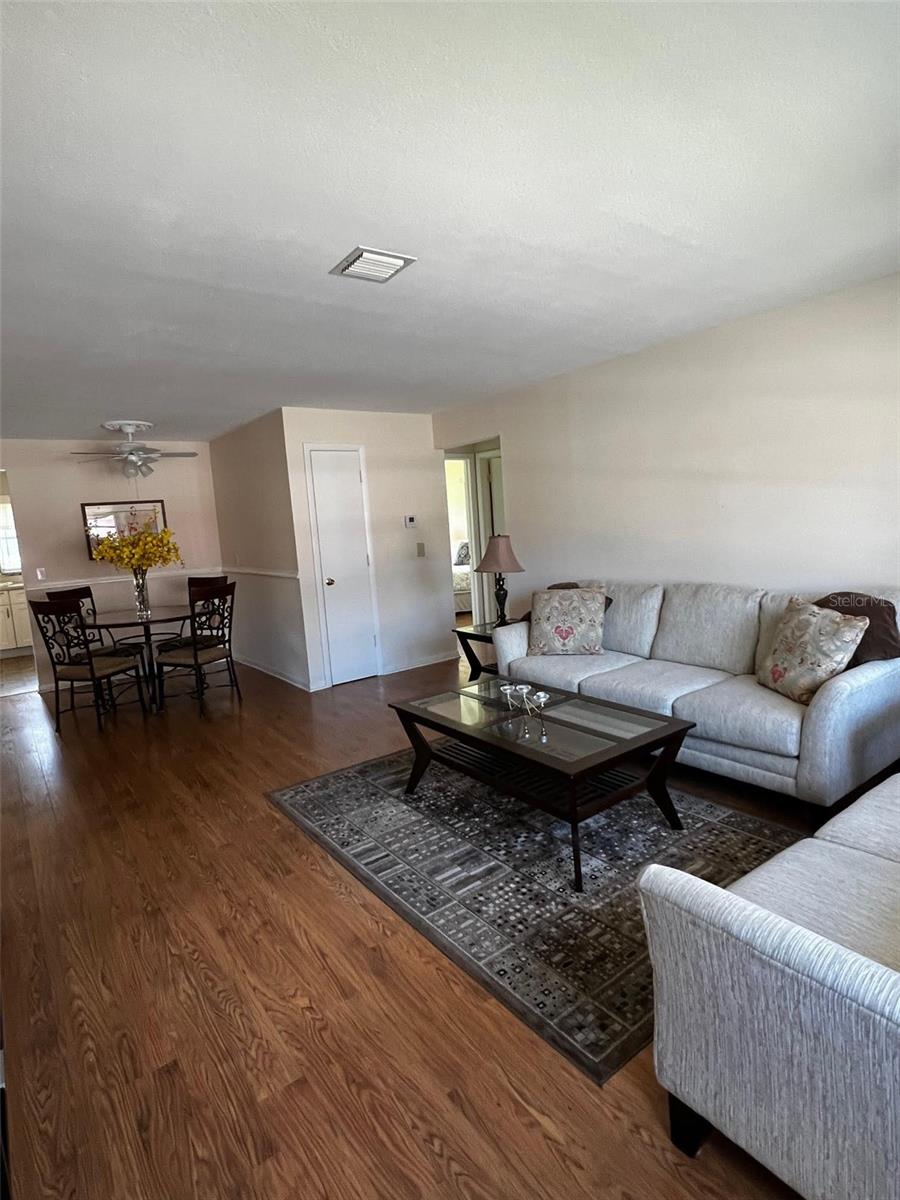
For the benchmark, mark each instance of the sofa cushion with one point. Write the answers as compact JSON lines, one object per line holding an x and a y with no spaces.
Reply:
{"x":566,"y":671}
{"x":881,"y":641}
{"x":632,"y":620}
{"x":758,"y":760}
{"x":741,"y":712}
{"x":650,"y":684}
{"x":844,"y":894}
{"x":773,"y":604}
{"x":709,"y":625}
{"x":567,"y":621}
{"x":811,"y":646}
{"x":872,"y":823}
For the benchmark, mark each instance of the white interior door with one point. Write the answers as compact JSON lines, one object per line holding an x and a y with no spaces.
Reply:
{"x":340,"y":517}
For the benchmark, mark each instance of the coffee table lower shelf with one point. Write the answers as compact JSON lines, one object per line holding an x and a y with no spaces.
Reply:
{"x":542,"y":789}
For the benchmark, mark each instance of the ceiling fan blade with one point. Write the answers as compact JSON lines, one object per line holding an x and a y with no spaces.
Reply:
{"x":178,"y":454}
{"x":95,"y":453}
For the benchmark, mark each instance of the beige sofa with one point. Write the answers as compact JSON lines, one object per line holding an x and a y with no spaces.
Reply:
{"x":691,"y":650}
{"x":778,"y":1004}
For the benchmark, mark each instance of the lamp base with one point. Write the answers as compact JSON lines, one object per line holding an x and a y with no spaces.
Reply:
{"x":500,"y":595}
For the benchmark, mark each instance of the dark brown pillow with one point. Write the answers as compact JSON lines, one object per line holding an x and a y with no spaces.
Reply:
{"x":882,"y":639}
{"x":564,"y":587}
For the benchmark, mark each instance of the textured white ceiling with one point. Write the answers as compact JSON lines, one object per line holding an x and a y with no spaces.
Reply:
{"x":577,"y":181}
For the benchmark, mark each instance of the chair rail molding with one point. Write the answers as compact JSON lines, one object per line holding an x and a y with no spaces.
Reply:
{"x":268,"y":571}
{"x":120,"y":577}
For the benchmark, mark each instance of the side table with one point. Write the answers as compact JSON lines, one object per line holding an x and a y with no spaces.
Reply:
{"x":466,"y":635}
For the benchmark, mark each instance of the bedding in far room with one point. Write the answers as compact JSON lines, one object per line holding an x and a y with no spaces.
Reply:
{"x":462,"y":578}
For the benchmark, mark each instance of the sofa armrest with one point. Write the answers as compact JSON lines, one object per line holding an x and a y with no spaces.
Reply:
{"x":850,"y":732}
{"x":785,"y":1041}
{"x":510,"y":642}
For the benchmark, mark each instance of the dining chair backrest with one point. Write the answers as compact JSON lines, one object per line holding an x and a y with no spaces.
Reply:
{"x":212,"y":610}
{"x":85,"y":599}
{"x":205,"y":581}
{"x":61,"y":623}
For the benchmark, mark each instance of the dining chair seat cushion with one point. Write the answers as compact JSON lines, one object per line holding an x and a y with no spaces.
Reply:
{"x":179,"y":643}
{"x":103,"y":668}
{"x":135,"y":650}
{"x":184,"y":656}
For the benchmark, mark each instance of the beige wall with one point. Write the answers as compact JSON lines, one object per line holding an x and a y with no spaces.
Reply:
{"x":766,"y":451}
{"x":405,"y":476}
{"x":48,"y":487}
{"x":266,"y":537}
{"x":256,"y":531}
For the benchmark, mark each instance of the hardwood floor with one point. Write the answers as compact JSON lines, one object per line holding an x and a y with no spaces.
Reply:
{"x":199,"y":1003}
{"x":18,"y":674}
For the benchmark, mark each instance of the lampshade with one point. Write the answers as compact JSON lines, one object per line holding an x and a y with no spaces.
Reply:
{"x":498,"y":557}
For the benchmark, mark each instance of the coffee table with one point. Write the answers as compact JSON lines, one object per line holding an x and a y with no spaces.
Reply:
{"x":576,"y":758}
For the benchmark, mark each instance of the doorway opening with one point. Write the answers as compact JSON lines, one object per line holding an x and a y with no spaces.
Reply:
{"x":18,"y":672}
{"x":475,"y":507}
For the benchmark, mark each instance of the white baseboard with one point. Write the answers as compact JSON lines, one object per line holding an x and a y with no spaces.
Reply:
{"x":302,"y":684}
{"x":431,"y":661}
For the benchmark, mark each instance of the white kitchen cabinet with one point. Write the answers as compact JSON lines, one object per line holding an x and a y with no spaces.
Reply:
{"x":21,"y":619}
{"x":15,"y":626}
{"x":7,"y":627}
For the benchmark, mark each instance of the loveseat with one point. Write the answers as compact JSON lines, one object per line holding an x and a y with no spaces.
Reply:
{"x":692,"y":651}
{"x":778,"y":1004}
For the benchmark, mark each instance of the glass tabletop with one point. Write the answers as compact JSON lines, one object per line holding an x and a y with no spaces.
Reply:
{"x":488,"y":628}
{"x":563,"y":730}
{"x":600,"y":718}
{"x":491,"y":691}
{"x":125,"y":617}
{"x":546,"y":737}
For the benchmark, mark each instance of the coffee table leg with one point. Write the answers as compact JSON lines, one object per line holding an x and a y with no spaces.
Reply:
{"x":656,"y":782}
{"x":422,"y":752}
{"x":576,"y":838}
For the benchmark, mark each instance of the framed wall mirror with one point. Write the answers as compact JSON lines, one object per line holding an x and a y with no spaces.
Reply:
{"x":127,"y":516}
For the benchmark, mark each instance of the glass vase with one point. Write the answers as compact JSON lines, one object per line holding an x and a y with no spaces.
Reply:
{"x":141,"y":593}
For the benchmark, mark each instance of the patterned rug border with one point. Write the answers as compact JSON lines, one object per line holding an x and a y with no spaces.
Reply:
{"x":507,"y":999}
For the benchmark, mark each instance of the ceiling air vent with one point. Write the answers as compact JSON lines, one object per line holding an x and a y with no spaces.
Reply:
{"x":377,"y":266}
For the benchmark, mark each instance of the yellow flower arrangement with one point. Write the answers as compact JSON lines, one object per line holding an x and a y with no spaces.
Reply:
{"x":140,"y":550}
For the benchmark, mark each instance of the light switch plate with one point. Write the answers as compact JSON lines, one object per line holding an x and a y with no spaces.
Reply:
{"x":40,"y":573}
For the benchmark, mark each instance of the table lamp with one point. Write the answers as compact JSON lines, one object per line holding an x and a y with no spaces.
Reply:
{"x":499,"y":560}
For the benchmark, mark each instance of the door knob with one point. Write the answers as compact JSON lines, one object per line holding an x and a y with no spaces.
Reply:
{"x":329,"y":582}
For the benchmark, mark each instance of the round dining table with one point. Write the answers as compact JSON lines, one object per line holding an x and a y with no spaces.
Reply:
{"x":127,"y":618}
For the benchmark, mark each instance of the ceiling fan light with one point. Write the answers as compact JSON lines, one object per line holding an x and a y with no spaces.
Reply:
{"x":130,"y":469}
{"x":145,"y":469}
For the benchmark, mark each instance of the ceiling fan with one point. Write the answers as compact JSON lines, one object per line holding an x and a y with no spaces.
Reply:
{"x":135,"y":457}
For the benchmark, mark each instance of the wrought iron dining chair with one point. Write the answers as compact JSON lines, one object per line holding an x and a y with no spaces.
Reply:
{"x":194,"y":583}
{"x":61,"y":624}
{"x":85,"y":597}
{"x":96,"y":644}
{"x":212,"y":613}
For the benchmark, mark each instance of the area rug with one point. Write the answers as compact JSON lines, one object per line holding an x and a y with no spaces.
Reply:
{"x":488,"y":880}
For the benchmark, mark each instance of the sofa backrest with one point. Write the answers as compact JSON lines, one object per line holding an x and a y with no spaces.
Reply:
{"x":709,"y":625}
{"x":773,"y":605}
{"x":631,"y":620}
{"x":702,"y":624}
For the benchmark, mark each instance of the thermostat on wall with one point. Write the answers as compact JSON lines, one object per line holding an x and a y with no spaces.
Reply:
{"x":409,"y":522}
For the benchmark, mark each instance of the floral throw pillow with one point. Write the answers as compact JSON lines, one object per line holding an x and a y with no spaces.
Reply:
{"x":811,"y":645}
{"x":568,"y":621}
